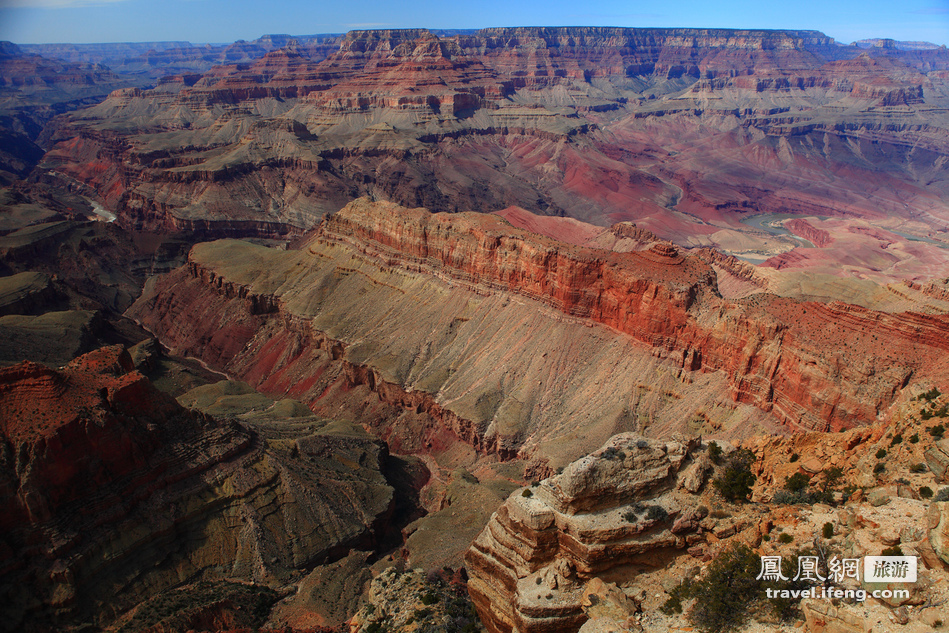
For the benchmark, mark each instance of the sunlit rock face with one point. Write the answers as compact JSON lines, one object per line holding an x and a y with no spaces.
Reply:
{"x":687,"y":132}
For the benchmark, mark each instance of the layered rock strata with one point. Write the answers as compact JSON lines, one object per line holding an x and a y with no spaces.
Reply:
{"x":111,"y":492}
{"x":358,"y":305}
{"x":529,"y":567}
{"x":685,"y":131}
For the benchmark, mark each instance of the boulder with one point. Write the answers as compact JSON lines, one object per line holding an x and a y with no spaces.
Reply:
{"x":937,"y":458}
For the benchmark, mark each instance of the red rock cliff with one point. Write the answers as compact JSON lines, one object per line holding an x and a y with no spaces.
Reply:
{"x":810,"y":365}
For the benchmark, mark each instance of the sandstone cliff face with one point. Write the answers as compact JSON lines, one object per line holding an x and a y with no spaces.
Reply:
{"x":111,"y":492}
{"x":308,"y":323}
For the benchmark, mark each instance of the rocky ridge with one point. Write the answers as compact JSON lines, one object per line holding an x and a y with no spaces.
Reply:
{"x":772,"y":352}
{"x":670,"y":128}
{"x":178,"y":495}
{"x":609,"y":543}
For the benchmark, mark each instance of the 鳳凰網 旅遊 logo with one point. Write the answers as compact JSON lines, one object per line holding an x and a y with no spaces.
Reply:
{"x":815,"y":577}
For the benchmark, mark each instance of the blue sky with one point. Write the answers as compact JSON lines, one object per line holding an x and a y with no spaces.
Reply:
{"x":218,"y":21}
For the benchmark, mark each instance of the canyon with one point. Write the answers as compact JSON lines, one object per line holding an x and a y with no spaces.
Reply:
{"x":462,"y":330}
{"x":685,"y":132}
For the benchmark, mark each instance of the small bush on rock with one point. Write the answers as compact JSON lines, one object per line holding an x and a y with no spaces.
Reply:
{"x":736,"y":479}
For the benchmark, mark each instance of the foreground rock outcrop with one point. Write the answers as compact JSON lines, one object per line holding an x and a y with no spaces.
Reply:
{"x":530,"y":566}
{"x":111,"y":492}
{"x":651,"y":536}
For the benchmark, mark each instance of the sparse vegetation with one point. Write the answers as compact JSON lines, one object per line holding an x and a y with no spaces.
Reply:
{"x":914,"y":438}
{"x":796,"y":482}
{"x":892,"y":551}
{"x":785,"y":538}
{"x":925,"y":492}
{"x":736,"y":480}
{"x":918,"y":468}
{"x":897,"y":439}
{"x":730,"y":591}
{"x":797,"y":489}
{"x":527,"y":494}
{"x":832,"y":476}
{"x":828,"y":530}
{"x":634,"y":510}
{"x":880,"y":454}
{"x":715,"y":452}
{"x":794,"y":458}
{"x":613,"y":453}
{"x":656,"y":513}
{"x":936,"y":431}
{"x":879,"y":468}
{"x":175,"y":608}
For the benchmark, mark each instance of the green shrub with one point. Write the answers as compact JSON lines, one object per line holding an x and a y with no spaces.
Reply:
{"x":794,"y":458}
{"x":897,"y":439}
{"x":936,"y":431}
{"x":918,"y":468}
{"x":715,"y":452}
{"x":429,"y":598}
{"x":527,"y":493}
{"x":832,"y":476}
{"x":892,"y":551}
{"x":925,"y":492}
{"x":613,"y":453}
{"x":930,"y":395}
{"x":828,"y":531}
{"x":730,"y":591}
{"x":807,"y":497}
{"x":881,"y":453}
{"x":736,"y":480}
{"x":656,"y":513}
{"x":785,"y":538}
{"x":914,"y":438}
{"x":796,"y":482}
{"x":682,"y":591}
{"x":879,"y":468}
{"x":727,"y":591}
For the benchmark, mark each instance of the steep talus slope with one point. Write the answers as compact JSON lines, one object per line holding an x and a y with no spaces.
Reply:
{"x":112,"y":492}
{"x":685,"y":131}
{"x":461,"y":316}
